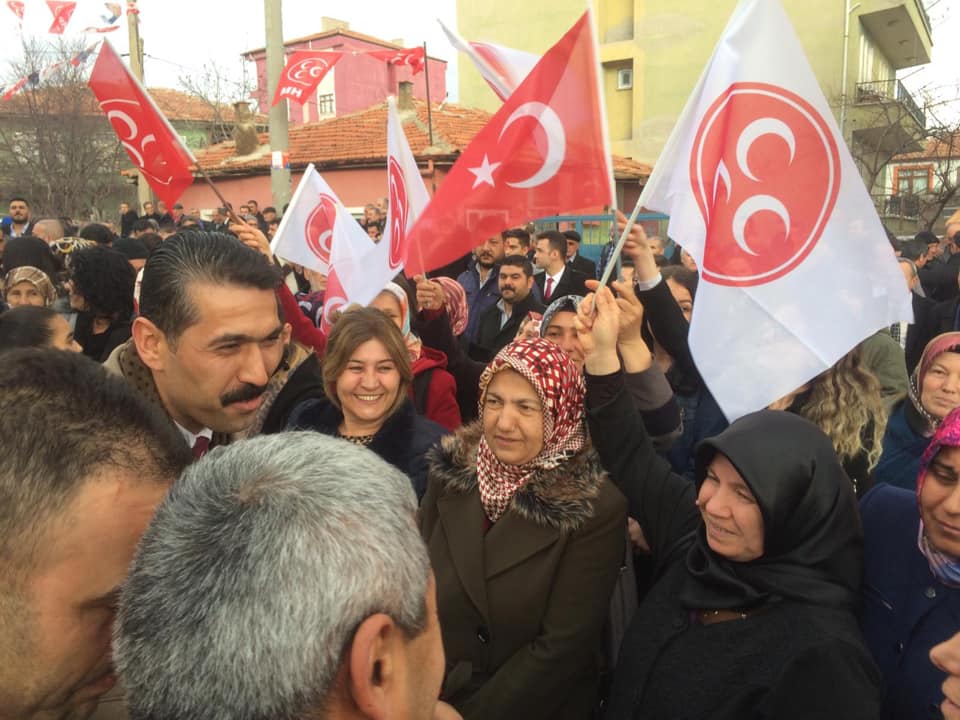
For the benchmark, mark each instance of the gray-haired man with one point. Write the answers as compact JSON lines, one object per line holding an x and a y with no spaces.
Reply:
{"x":283,"y":577}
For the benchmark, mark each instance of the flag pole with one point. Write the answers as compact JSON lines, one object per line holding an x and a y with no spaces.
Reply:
{"x":614,"y":260}
{"x":631,"y":221}
{"x":426,"y":77}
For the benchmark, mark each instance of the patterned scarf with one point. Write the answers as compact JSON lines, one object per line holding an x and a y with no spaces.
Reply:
{"x":947,"y":342}
{"x":944,"y":567}
{"x":561,"y":389}
{"x":36,"y":277}
{"x":414,"y":345}
{"x":455,"y":302}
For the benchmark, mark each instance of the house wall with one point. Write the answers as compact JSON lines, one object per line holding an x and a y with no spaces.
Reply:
{"x":359,"y":81}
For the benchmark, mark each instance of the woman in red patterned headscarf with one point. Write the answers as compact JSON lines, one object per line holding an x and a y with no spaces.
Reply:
{"x":526,"y":535}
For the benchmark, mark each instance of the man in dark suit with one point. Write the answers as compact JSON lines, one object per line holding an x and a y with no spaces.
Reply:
{"x":575,"y":259}
{"x":558,"y":278}
{"x":500,"y":322}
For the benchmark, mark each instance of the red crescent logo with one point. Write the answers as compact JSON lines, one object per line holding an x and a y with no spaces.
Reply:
{"x":145,"y":152}
{"x":307,"y":71}
{"x":399,"y":212}
{"x":765,"y":171}
{"x":318,"y":228}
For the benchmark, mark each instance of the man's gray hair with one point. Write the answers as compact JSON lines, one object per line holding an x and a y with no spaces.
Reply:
{"x":258,"y":568}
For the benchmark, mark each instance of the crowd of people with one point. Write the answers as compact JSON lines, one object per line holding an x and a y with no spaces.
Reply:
{"x":499,"y":491}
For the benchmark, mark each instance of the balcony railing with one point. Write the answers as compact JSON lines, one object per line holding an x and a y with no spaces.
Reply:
{"x":891,"y":90}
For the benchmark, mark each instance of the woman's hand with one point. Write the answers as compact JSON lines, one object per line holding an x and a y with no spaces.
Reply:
{"x":637,"y":249}
{"x":598,"y":332}
{"x":252,"y":238}
{"x":317,"y":280}
{"x":946,"y":656}
{"x":430,"y":294}
{"x":637,"y":538}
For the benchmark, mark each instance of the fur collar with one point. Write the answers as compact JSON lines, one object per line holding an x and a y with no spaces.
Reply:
{"x":561,"y":498}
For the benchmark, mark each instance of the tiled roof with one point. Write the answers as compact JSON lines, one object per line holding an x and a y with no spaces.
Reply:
{"x":360,"y":139}
{"x":176,"y":105}
{"x":946,"y":147}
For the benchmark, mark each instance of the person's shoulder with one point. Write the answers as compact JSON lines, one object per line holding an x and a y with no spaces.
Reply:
{"x":430,"y":358}
{"x":886,"y":503}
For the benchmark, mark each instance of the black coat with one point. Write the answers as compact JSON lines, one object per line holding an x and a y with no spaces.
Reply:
{"x":939,"y":278}
{"x":403,"y":441}
{"x":491,"y":338}
{"x":583,"y":265}
{"x":305,"y":384}
{"x":930,"y":318}
{"x":572,"y":282}
{"x":788,"y":660}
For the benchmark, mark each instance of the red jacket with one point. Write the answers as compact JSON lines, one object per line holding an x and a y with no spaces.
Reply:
{"x":441,"y":401}
{"x":441,"y":405}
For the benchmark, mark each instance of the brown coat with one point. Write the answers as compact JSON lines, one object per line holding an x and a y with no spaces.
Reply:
{"x":522,"y":607}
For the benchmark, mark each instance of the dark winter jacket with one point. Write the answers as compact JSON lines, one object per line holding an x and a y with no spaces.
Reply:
{"x":522,"y":606}
{"x":403,"y":440}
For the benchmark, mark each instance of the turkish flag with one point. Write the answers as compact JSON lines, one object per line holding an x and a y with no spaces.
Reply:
{"x":62,"y":12}
{"x":408,"y":196}
{"x":543,"y":153}
{"x":415,"y":58}
{"x":152,"y":144}
{"x":763,"y":193}
{"x":303,"y":72}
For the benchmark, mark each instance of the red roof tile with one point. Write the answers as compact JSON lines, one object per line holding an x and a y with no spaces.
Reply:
{"x":360,"y":139}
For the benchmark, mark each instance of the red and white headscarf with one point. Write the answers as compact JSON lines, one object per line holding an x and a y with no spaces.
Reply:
{"x":455,"y":301}
{"x":561,"y":389}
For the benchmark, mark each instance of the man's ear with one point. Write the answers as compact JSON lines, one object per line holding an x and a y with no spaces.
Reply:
{"x":150,"y":341}
{"x":374,"y":659}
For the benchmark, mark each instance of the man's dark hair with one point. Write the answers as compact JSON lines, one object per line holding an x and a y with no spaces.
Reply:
{"x":142,"y":225}
{"x":100,"y":234}
{"x":151,"y":241}
{"x":572,"y":235}
{"x":519,"y":233}
{"x":682,"y":276}
{"x":269,"y":208}
{"x":557,"y":241}
{"x":520,"y":261}
{"x":167,"y":227}
{"x":197,"y":256}
{"x":914,"y":248}
{"x":105,"y":279}
{"x":927,"y":237}
{"x":64,"y":419}
{"x":27,"y":326}
{"x":19,"y":199}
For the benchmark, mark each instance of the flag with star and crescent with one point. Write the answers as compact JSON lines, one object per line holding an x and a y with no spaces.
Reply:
{"x":543,"y":153}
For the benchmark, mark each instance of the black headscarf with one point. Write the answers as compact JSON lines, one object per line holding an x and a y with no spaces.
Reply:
{"x":813,"y":540}
{"x":30,"y":250}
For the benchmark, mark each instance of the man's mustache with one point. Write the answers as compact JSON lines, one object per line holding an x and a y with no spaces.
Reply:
{"x":244,"y":393}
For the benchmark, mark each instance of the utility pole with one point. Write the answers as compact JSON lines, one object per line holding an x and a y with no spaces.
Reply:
{"x":144,"y":193}
{"x":279,"y":135}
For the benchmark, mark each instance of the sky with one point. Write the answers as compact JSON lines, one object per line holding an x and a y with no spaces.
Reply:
{"x":183,"y":36}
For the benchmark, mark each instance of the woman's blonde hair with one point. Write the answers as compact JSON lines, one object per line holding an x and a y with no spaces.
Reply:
{"x":845,"y":403}
{"x":351,"y":330}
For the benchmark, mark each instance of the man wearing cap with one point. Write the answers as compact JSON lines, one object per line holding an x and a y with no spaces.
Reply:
{"x":575,"y":259}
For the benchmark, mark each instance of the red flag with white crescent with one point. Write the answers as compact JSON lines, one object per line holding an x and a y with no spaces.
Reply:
{"x":414,"y":58}
{"x":152,"y":144}
{"x":503,"y":68}
{"x":62,"y":12}
{"x":543,"y":153}
{"x":305,"y":69}
{"x":16,"y":7}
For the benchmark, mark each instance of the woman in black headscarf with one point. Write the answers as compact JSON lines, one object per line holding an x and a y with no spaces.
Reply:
{"x":758,"y":565}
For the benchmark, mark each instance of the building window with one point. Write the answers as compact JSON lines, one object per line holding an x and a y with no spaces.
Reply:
{"x":624,"y":78}
{"x":912,"y":180}
{"x":325,"y":105}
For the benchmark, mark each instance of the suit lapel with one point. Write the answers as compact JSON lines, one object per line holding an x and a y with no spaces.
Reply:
{"x":462,"y":517}
{"x":512,"y":540}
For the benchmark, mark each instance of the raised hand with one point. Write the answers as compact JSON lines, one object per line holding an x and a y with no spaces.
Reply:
{"x":429,"y":294}
{"x":598,"y":330}
{"x":252,"y":238}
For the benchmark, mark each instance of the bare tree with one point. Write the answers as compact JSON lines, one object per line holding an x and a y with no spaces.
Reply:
{"x":943,"y":147}
{"x":56,"y":146}
{"x":219,"y":91}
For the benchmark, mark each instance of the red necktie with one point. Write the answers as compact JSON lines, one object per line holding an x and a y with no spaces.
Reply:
{"x":549,"y":291}
{"x":200,"y":446}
